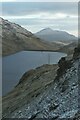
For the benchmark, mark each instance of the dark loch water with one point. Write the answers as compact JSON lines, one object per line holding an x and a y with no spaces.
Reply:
{"x":14,"y":66}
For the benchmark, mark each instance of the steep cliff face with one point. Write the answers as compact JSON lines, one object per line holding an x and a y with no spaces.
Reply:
{"x":46,"y":94}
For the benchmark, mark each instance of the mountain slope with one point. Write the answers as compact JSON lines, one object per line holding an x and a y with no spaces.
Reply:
{"x":50,"y":35}
{"x":42,"y":94}
{"x":15,"y":38}
{"x":69,"y":49}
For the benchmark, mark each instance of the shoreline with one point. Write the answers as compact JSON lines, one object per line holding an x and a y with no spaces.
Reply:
{"x":34,"y":51}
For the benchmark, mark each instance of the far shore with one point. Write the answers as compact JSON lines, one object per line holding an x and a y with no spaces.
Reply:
{"x":34,"y":51}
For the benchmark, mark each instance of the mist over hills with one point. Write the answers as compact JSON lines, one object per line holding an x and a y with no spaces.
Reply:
{"x":50,"y":35}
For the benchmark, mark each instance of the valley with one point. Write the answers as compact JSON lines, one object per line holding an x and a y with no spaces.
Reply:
{"x":48,"y":89}
{"x":16,"y":38}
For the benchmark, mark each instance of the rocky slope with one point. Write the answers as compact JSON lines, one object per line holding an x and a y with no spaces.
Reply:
{"x":49,"y":91}
{"x":15,"y":38}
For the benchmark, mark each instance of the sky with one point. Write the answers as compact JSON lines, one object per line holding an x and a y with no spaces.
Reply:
{"x":35,"y":16}
{"x":39,"y":0}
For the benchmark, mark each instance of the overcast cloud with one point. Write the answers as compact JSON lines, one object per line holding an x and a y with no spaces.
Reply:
{"x":36,"y":16}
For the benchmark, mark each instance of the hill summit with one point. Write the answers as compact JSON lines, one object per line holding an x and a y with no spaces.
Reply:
{"x":50,"y":35}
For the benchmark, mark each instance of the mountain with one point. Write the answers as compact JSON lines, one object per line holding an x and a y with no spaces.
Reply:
{"x":50,"y":35}
{"x":49,"y":91}
{"x":15,"y":39}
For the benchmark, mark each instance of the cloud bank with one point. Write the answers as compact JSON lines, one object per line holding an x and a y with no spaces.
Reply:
{"x":38,"y":15}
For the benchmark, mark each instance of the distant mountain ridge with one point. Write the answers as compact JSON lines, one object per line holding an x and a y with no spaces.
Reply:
{"x":50,"y":35}
{"x":16,"y":38}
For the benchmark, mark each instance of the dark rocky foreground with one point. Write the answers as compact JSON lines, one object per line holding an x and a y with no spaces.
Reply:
{"x":49,"y":91}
